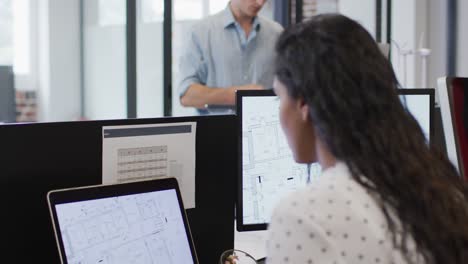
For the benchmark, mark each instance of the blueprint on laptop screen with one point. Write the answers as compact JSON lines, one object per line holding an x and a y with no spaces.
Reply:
{"x":137,"y":228}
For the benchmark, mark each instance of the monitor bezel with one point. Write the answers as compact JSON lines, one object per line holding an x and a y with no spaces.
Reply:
{"x":424,"y":91}
{"x":70,"y":195}
{"x":262,"y":93}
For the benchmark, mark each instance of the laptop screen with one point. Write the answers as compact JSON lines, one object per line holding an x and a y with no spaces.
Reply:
{"x":145,"y":227}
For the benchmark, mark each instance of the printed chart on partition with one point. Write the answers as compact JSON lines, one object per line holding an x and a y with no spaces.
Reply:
{"x":141,"y":163}
{"x":146,"y":152}
{"x":140,"y":228}
{"x":269,"y":170}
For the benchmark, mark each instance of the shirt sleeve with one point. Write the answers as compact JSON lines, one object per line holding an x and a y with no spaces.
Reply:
{"x":294,"y":237}
{"x":192,"y":64}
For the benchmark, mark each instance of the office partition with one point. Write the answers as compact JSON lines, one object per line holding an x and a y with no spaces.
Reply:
{"x":41,"y":157}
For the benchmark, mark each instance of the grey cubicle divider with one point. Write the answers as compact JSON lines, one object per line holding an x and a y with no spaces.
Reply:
{"x":7,"y":95}
{"x":40,"y":157}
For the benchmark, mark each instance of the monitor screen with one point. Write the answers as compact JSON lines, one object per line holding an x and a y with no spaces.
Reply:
{"x":267,"y":169}
{"x":420,"y":103}
{"x":136,"y":228}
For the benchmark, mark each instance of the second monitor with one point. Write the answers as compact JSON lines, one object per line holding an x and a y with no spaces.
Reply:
{"x":267,"y":169}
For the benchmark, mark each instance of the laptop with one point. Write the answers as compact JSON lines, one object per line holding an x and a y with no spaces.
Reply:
{"x":139,"y":222}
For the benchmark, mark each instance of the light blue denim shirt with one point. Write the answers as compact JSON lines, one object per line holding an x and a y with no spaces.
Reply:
{"x":219,"y":54}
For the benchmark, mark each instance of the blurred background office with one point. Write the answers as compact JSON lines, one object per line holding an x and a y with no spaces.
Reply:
{"x":107,"y":59}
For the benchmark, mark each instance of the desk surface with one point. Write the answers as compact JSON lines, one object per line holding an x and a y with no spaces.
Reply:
{"x":252,"y":242}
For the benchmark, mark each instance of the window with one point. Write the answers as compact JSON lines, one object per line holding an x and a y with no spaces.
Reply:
{"x":112,"y":13}
{"x":15,"y":35}
{"x":152,"y":11}
{"x":150,"y":58}
{"x":104,"y":57}
{"x":6,"y":27}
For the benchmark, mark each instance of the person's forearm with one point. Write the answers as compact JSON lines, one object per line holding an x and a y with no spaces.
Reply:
{"x":198,"y":96}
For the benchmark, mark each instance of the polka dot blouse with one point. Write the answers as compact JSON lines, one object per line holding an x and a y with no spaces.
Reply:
{"x":332,"y":221}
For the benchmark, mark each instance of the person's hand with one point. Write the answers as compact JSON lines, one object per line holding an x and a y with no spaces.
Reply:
{"x":231,"y":259}
{"x":235,"y":256}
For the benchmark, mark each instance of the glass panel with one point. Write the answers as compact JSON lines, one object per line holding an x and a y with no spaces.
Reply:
{"x":364,"y":12}
{"x":217,"y":5}
{"x":150,"y":60}
{"x":18,"y":89}
{"x":105,"y":88}
{"x":186,"y":13}
{"x":180,"y":29}
{"x":6,"y":29}
{"x":21,"y":40}
{"x":14,"y":37}
{"x":189,"y":9}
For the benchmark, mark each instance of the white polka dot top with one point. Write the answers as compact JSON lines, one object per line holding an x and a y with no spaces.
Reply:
{"x":334,"y":220}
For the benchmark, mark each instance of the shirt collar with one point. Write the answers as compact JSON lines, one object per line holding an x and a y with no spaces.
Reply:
{"x":339,"y":168}
{"x":230,"y":20}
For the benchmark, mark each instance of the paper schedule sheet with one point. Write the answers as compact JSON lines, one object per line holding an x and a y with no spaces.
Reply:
{"x":145,"y":152}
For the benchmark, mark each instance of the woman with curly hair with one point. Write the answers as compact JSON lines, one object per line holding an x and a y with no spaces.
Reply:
{"x":384,"y":195}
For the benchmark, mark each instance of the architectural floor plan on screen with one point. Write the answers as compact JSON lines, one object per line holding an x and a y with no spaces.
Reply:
{"x":144,"y":228}
{"x":269,"y":171}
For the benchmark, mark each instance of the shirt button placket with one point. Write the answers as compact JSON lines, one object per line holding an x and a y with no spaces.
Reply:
{"x":245,"y":69}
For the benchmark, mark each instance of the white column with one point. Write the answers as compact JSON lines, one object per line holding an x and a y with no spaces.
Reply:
{"x":59,"y":60}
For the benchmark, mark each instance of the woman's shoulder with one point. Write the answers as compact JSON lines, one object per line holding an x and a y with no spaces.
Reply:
{"x":334,"y":215}
{"x":334,"y":183}
{"x":334,"y":192}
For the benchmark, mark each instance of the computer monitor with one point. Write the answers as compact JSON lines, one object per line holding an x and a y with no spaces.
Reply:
{"x":267,"y":170}
{"x":421,"y":104}
{"x":453,"y":100}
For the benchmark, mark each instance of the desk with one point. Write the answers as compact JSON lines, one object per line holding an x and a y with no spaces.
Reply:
{"x":252,"y":242}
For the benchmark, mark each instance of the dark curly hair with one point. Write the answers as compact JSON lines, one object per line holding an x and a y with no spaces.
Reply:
{"x":334,"y":64}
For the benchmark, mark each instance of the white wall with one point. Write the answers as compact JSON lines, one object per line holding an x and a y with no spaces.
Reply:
{"x":437,"y":37}
{"x":409,"y":21}
{"x":105,"y":79}
{"x":150,"y":69}
{"x":362,"y":11}
{"x":59,"y":60}
{"x":462,"y":42}
{"x":105,"y":73}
